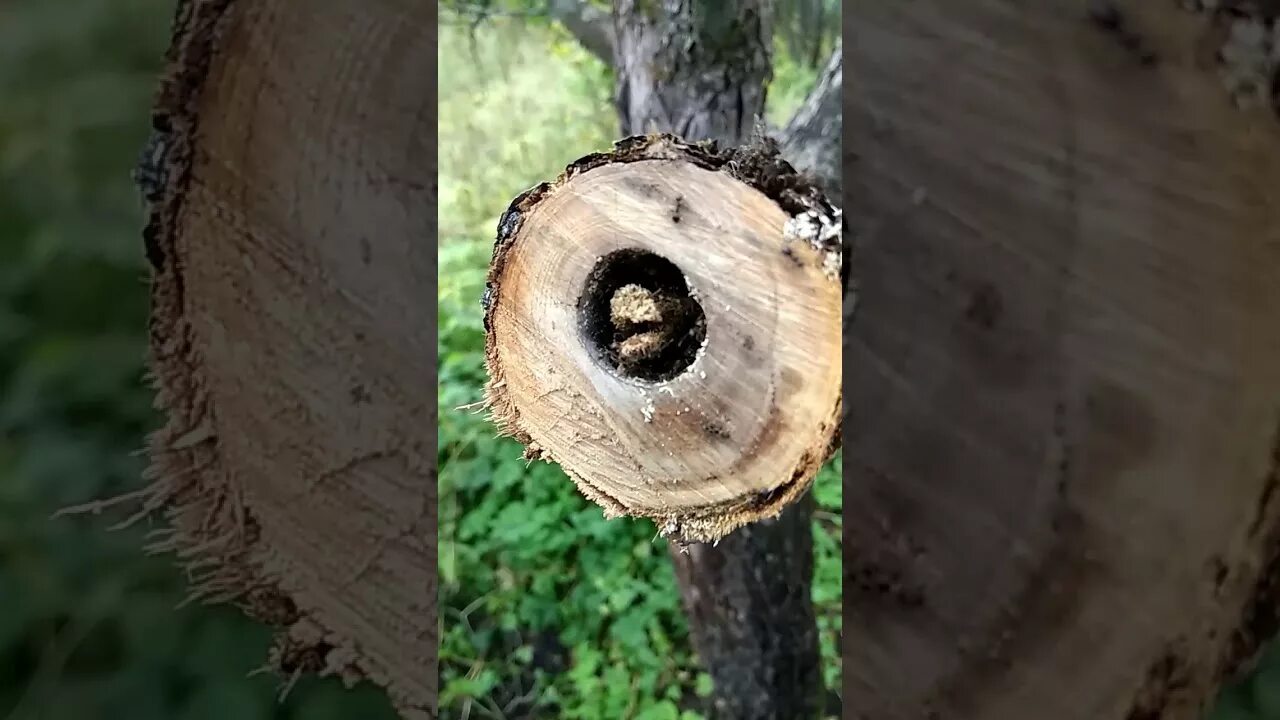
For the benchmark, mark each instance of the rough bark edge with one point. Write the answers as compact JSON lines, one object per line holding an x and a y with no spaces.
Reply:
{"x":1241,"y":42}
{"x":212,"y":533}
{"x":759,"y":165}
{"x":1259,"y":618}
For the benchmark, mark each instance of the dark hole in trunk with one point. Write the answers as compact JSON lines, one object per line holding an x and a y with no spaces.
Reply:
{"x":655,"y":345}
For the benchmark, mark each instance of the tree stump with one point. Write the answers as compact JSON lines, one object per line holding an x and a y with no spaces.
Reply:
{"x":663,"y":321}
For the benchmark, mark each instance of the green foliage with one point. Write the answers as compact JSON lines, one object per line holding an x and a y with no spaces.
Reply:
{"x":544,"y":603}
{"x":88,"y":626}
{"x":1256,"y":697}
{"x":806,"y":30}
{"x":792,"y":81}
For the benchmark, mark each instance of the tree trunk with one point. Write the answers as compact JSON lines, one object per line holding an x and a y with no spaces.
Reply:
{"x":752,"y":620}
{"x":812,"y":139}
{"x":290,"y":229}
{"x":699,"y":69}
{"x":1064,"y":369}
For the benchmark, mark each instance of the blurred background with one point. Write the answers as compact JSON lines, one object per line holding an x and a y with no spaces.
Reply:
{"x":90,"y":626}
{"x":547,"y":610}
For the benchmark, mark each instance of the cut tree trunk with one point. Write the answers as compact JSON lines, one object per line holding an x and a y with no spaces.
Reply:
{"x":699,"y":69}
{"x":1064,"y":369}
{"x":290,"y":235}
{"x":664,"y":322}
{"x":669,"y":333}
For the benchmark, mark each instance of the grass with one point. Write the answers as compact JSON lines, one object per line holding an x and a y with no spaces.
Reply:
{"x":544,"y":604}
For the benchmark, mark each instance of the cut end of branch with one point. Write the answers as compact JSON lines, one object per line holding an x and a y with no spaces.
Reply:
{"x":663,"y":321}
{"x":222,"y":533}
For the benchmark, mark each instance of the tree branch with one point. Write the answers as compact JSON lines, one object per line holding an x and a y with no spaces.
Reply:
{"x":811,"y":140}
{"x":589,"y":24}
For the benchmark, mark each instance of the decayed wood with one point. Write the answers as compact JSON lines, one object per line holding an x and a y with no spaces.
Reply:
{"x":291,"y":239}
{"x":1064,"y":367}
{"x":669,"y":334}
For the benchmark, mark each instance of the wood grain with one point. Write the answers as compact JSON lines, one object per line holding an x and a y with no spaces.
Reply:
{"x":734,"y":436}
{"x":294,"y":253}
{"x":1064,"y":366}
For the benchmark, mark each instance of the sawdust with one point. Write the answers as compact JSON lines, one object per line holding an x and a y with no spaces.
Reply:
{"x":633,"y":305}
{"x":1247,"y":48}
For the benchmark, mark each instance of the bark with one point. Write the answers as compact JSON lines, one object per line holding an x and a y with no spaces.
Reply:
{"x":1064,"y":368}
{"x":749,"y":607}
{"x":700,"y":69}
{"x":812,"y":138}
{"x":292,"y":197}
{"x":696,"y":69}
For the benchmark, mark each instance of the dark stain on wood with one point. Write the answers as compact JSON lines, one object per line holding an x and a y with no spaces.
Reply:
{"x":1046,"y":604}
{"x":643,"y":188}
{"x":1220,"y":573}
{"x":880,"y":561}
{"x":766,"y":497}
{"x":986,"y":306}
{"x":360,"y":394}
{"x":271,"y":607}
{"x":1260,"y":616}
{"x":714,"y":429}
{"x":295,"y":656}
{"x":789,"y":253}
{"x":872,"y":578}
{"x":1165,"y":678}
{"x":789,"y":381}
{"x":770,"y":431}
{"x":1063,"y":572}
{"x":1119,"y":430}
{"x":1268,"y":487}
{"x":1107,"y":17}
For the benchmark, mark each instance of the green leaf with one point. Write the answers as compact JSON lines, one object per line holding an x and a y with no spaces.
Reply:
{"x":664,"y":710}
{"x":702,"y":685}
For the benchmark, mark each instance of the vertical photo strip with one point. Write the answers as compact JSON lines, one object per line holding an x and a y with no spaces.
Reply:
{"x":641,"y":281}
{"x":1063,"y":361}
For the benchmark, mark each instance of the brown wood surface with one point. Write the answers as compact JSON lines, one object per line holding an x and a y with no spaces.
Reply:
{"x":1063,"y":368}
{"x":737,"y":433}
{"x":294,"y":269}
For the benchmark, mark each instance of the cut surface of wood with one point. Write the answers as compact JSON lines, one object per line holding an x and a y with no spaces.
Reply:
{"x":1064,"y":365}
{"x":670,"y":335}
{"x":291,"y":237}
